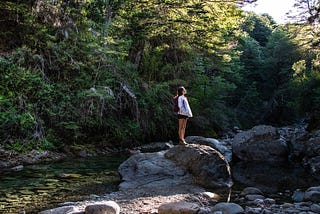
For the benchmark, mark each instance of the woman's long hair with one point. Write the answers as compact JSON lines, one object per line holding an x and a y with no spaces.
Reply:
{"x":180,"y":90}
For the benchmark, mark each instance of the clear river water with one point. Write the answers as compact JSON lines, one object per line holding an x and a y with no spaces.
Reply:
{"x":44,"y":186}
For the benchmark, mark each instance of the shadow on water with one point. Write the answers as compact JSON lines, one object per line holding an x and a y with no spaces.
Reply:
{"x":39,"y":187}
{"x":275,"y":180}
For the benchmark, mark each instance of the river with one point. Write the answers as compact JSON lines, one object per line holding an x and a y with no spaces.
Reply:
{"x":44,"y":186}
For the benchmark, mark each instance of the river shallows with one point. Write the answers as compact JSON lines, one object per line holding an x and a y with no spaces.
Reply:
{"x":39,"y":187}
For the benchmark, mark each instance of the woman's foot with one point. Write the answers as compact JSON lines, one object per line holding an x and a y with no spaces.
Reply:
{"x":182,"y":142}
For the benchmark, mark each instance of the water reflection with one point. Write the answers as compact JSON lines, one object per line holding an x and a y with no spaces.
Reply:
{"x":272,"y":177}
{"x":44,"y":186}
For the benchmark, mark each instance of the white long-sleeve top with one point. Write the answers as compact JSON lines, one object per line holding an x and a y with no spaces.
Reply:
{"x":184,"y":108}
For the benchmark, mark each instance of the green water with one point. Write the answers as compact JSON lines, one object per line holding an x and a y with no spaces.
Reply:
{"x":41,"y":187}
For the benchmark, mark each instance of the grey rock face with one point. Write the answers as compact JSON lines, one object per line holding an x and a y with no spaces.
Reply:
{"x":208,"y":167}
{"x":261,"y":143}
{"x":151,"y":169}
{"x":224,"y":148}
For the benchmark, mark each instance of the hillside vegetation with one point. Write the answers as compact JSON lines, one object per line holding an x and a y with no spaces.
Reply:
{"x":103,"y":72}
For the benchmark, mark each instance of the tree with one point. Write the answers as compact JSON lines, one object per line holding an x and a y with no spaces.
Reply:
{"x":259,"y":27}
{"x":281,"y":54}
{"x":306,"y":11}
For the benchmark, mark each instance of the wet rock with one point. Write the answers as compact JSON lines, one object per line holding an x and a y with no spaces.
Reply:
{"x":108,"y":207}
{"x":261,"y":143}
{"x":228,"y":208}
{"x":178,"y":208}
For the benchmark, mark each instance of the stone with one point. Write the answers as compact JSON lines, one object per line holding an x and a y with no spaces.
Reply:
{"x":254,"y":197}
{"x":108,"y":207}
{"x":251,"y":191}
{"x":316,"y":188}
{"x":221,"y":146}
{"x":228,"y":208}
{"x":155,"y":147}
{"x":251,"y":210}
{"x":210,"y":195}
{"x":60,"y":210}
{"x":151,"y":170}
{"x":208,"y":166}
{"x":298,"y":195}
{"x":269,"y":201}
{"x":17,"y":168}
{"x":178,"y":208}
{"x":287,"y":205}
{"x":315,"y":208}
{"x":261,"y":143}
{"x":313,"y":196}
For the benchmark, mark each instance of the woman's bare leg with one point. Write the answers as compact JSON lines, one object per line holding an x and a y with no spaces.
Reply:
{"x":182,"y":130}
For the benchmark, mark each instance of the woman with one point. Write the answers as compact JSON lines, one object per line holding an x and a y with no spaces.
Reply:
{"x":183,"y":114}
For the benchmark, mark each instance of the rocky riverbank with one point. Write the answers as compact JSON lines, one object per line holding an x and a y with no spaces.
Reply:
{"x":192,"y":200}
{"x":177,"y":178}
{"x":166,"y":183}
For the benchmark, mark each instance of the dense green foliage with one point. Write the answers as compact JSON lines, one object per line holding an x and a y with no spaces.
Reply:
{"x":104,"y":72}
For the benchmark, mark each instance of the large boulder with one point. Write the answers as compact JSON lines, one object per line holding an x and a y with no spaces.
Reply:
{"x":261,"y":143}
{"x":208,"y":167}
{"x":312,"y":154}
{"x":304,"y":147}
{"x":151,"y":170}
{"x":180,"y":165}
{"x":296,"y":138}
{"x":223,"y":147}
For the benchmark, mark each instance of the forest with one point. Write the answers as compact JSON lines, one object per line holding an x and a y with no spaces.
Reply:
{"x":104,"y":72}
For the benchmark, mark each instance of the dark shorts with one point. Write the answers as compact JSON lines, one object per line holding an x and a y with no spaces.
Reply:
{"x":180,"y":116}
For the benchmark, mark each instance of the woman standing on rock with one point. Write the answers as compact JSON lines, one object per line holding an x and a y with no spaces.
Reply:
{"x":183,"y":114}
